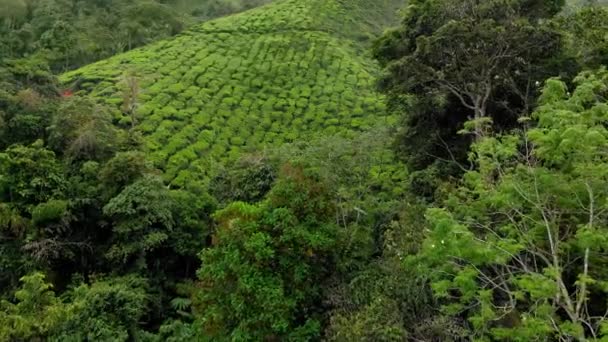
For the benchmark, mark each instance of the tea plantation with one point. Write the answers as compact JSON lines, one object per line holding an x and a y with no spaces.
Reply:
{"x":276,"y":74}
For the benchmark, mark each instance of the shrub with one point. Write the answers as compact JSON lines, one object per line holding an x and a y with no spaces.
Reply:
{"x":290,"y":82}
{"x":49,"y":212}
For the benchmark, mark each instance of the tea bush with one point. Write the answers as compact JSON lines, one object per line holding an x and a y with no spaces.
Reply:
{"x":285,"y":69}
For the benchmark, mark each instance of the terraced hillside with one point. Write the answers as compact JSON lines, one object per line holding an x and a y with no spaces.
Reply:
{"x":282,"y":72}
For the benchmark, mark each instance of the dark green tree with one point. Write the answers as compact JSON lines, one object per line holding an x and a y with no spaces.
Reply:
{"x":82,"y":130}
{"x":108,"y":309}
{"x":452,"y":62}
{"x":142,"y":220}
{"x":261,"y":279}
{"x":30,"y":175}
{"x":585,"y":32}
{"x":248,"y":180}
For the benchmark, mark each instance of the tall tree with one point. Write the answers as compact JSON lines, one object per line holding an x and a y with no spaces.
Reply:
{"x":11,"y":11}
{"x":459,"y":61}
{"x":585,"y":32}
{"x":520,"y":248}
{"x":108,"y":310}
{"x":261,"y":278}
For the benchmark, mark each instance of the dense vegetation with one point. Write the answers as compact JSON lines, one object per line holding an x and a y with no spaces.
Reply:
{"x":72,"y":33}
{"x":277,"y":74}
{"x":260,"y":177}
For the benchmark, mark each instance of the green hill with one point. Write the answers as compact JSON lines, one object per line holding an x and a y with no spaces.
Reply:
{"x":275,"y":74}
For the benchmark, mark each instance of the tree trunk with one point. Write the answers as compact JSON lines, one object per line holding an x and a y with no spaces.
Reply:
{"x":480,"y":113}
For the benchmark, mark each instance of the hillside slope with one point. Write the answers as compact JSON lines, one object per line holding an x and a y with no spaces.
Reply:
{"x":274,"y":74}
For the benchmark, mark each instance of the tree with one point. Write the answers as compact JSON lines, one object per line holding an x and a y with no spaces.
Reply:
{"x":30,"y":175}
{"x":82,"y":130}
{"x":142,"y":220}
{"x":37,"y":313}
{"x":248,"y":180}
{"x":108,"y":309}
{"x":13,"y":261}
{"x":470,"y":50}
{"x":24,"y":115}
{"x":11,"y":11}
{"x":519,"y":248}
{"x":122,"y":170}
{"x":29,"y":72}
{"x":455,"y":67}
{"x":130,"y":96}
{"x":585,"y":32}
{"x":261,"y":278}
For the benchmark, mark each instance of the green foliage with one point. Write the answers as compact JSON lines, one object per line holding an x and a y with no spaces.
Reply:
{"x":519,"y":241}
{"x":585,"y":32}
{"x":383,"y":302}
{"x":453,"y":61}
{"x":37,"y":313}
{"x":218,"y":76}
{"x":261,"y":277}
{"x":191,"y":211}
{"x":13,"y":261}
{"x":319,"y":232}
{"x":142,"y":219}
{"x":82,"y":130}
{"x":55,"y":182}
{"x":24,"y":115}
{"x":177,"y":330}
{"x":50,"y":211}
{"x":108,"y":309}
{"x":377,"y":322}
{"x":123,"y":169}
{"x":249,"y":180}
{"x":72,"y":33}
{"x":217,"y":8}
{"x":30,"y":174}
{"x":368,"y":183}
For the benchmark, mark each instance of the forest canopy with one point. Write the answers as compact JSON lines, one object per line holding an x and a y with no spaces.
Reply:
{"x":303,"y":170}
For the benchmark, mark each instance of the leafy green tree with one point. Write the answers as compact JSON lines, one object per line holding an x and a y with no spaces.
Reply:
{"x":25,"y":116}
{"x":144,"y":17}
{"x":585,"y":32}
{"x":469,"y":50}
{"x":37,"y":313}
{"x":82,"y":130}
{"x":142,"y":219}
{"x":107,"y":310}
{"x":261,"y":278}
{"x":122,"y":170}
{"x":248,"y":180}
{"x":369,"y":187}
{"x":192,"y":209}
{"x":70,"y":33}
{"x":452,"y":62}
{"x":218,"y":8}
{"x":13,"y":261}
{"x":519,"y":248}
{"x":11,"y":13}
{"x":30,"y":175}
{"x":32,"y":72}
